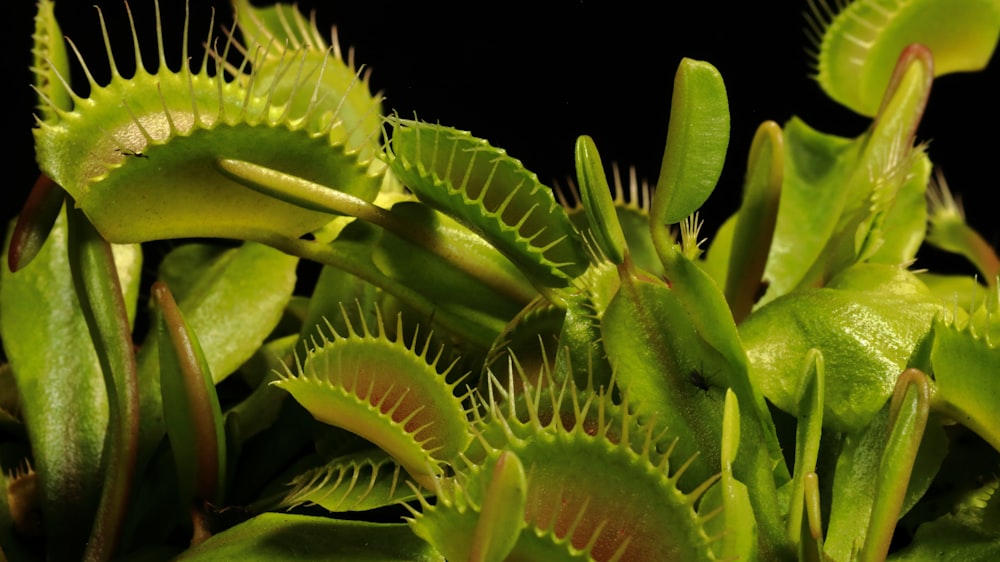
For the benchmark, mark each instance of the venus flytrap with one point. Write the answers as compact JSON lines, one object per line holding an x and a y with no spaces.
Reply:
{"x":857,"y":46}
{"x":480,"y":372}
{"x":358,"y":482}
{"x":491,"y":193}
{"x":836,"y":192}
{"x":390,"y":392}
{"x":588,"y":519}
{"x":206,"y":116}
{"x":948,"y":230}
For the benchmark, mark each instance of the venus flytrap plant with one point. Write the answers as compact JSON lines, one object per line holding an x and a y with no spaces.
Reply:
{"x":554,"y":434}
{"x":391,"y":393}
{"x":480,"y":372}
{"x":857,"y":46}
{"x":163,"y":108}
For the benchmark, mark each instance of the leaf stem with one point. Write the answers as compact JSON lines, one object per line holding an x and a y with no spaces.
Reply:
{"x":316,"y":197}
{"x":103,"y":307}
{"x":325,"y":254}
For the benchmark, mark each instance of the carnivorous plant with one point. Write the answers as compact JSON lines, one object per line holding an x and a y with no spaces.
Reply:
{"x":485,"y":368}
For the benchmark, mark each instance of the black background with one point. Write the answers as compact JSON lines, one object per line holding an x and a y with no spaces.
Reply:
{"x":532,"y":77}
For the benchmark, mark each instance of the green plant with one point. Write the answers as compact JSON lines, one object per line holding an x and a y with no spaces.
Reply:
{"x":521,"y":379}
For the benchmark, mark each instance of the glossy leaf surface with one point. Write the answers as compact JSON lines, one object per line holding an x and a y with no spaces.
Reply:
{"x":869,"y":324}
{"x":697,"y":139}
{"x":860,"y":43}
{"x":39,"y":309}
{"x":273,"y":536}
{"x":190,"y":406}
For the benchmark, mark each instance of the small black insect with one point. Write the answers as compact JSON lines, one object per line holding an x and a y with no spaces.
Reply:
{"x":699,"y":380}
{"x":127,"y":152}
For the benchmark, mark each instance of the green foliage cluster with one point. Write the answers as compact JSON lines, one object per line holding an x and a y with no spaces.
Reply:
{"x":485,"y":370}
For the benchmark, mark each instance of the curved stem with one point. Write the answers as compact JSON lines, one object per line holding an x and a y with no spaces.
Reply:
{"x":328,"y":255}
{"x":34,"y":222}
{"x":907,"y":420}
{"x":756,"y":220}
{"x":103,"y":307}
{"x":316,"y":197}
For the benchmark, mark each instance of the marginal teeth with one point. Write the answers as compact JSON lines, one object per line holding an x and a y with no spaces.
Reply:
{"x":564,"y":434}
{"x":387,"y":391}
{"x":492,"y":194}
{"x":137,"y":154}
{"x":852,"y":41}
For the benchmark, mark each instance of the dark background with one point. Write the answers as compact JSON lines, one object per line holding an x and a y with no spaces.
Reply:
{"x":532,"y":77}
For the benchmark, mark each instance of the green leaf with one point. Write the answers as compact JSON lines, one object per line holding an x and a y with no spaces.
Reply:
{"x":666,"y":369}
{"x":839,"y":195}
{"x":697,"y":138}
{"x":190,"y":406}
{"x":755,"y":221}
{"x":869,"y":324}
{"x":812,"y":195}
{"x":214,"y":300}
{"x":279,"y":536}
{"x":501,"y":515}
{"x":685,"y":335}
{"x":366,"y":480}
{"x":859,"y":45}
{"x":262,"y":407}
{"x":632,"y":199}
{"x":907,"y":420}
{"x":905,"y":223}
{"x":853,"y":488}
{"x":390,"y":392}
{"x":432,"y":236}
{"x":475,"y":280}
{"x":807,"y":438}
{"x":966,"y":386}
{"x":736,"y":524}
{"x":811,"y":549}
{"x":34,"y":222}
{"x":102,"y":301}
{"x":600,"y":208}
{"x":492,"y":194}
{"x":864,"y":462}
{"x":46,"y":339}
